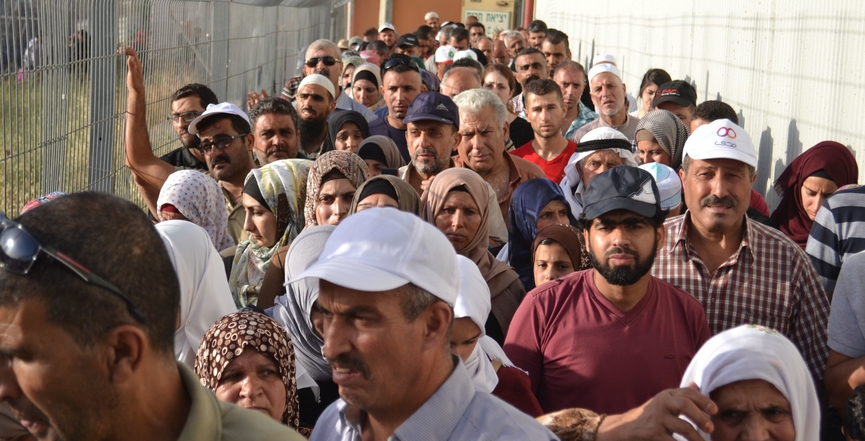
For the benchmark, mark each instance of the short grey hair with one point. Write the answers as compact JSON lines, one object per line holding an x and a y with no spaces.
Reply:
{"x":474,"y":101}
{"x":511,"y":35}
{"x":415,"y":301}
{"x":324,"y":44}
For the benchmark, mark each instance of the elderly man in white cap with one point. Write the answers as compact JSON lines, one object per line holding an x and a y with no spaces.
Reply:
{"x":315,"y":102}
{"x":388,"y":282}
{"x":609,"y":96}
{"x":598,"y":151}
{"x":432,"y":20}
{"x":743,"y":272}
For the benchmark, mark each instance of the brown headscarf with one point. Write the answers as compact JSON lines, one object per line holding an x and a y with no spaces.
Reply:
{"x":381,"y":147}
{"x":499,"y":276}
{"x":406,"y":198}
{"x":227,"y":339}
{"x":349,"y":164}
{"x":565,"y":235}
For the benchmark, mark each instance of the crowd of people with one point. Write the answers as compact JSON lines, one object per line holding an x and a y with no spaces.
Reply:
{"x":443,"y":234}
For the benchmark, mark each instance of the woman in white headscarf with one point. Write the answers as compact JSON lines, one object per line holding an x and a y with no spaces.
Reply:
{"x":204,"y":293}
{"x":195,"y":197}
{"x":486,"y":362}
{"x":759,"y":382}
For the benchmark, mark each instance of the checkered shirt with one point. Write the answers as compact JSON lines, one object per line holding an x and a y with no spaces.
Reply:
{"x":769,"y":281}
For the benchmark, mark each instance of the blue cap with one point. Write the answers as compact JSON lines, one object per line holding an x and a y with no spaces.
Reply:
{"x":431,"y":106}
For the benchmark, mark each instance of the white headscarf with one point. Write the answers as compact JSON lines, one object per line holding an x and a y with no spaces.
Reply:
{"x":204,"y":293}
{"x":200,"y":200}
{"x":473,"y":301}
{"x":751,"y":352}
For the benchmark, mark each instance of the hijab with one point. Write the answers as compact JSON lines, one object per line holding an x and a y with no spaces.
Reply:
{"x":830,"y":157}
{"x":406,"y":197}
{"x":199,"y":199}
{"x":751,"y":352}
{"x":282,"y":185}
{"x":228,"y":338}
{"x":371,"y":73}
{"x":473,"y":301}
{"x":381,"y":149}
{"x":526,"y":204}
{"x":293,"y":309}
{"x":566,"y":236}
{"x":340,"y":117}
{"x":349,"y":164}
{"x":667,"y":130}
{"x":204,"y":293}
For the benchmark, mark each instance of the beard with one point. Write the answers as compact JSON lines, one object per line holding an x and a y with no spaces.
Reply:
{"x":312,"y":133}
{"x":622,"y":275}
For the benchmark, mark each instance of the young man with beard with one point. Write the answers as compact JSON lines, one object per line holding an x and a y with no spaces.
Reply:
{"x":315,"y":101}
{"x":530,"y":66}
{"x":545,"y":110}
{"x":609,"y":338}
{"x":275,"y":126}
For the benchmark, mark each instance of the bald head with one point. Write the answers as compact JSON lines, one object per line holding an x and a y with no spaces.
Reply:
{"x":459,"y":79}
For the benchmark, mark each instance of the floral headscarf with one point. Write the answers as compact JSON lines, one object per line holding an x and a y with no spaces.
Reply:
{"x":227,"y":339}
{"x":349,"y":164}
{"x":283,"y":186}
{"x":199,"y":199}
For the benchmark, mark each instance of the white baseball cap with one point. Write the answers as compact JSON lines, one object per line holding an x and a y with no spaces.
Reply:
{"x":215,"y":109}
{"x":381,"y":249}
{"x":386,"y":25}
{"x":721,"y":139}
{"x":318,"y":80}
{"x":668,"y":182}
{"x":445,"y":53}
{"x":604,"y":63}
{"x":465,"y":54}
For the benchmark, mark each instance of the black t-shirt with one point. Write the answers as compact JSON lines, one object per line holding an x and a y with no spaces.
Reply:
{"x":521,"y":132}
{"x":181,"y":157}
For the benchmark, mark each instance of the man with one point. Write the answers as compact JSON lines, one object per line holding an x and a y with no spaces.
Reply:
{"x":274,"y":123}
{"x":485,"y":45}
{"x":545,"y":110}
{"x":483,"y":132}
{"x":514,"y":43}
{"x":323,"y":58}
{"x":459,"y":79}
{"x":556,"y":48}
{"x":476,"y":31}
{"x":423,"y":42}
{"x":571,"y":78}
{"x":608,"y":95}
{"x":431,"y":19}
{"x":408,"y":45}
{"x":470,"y":20}
{"x":432,"y":136}
{"x":315,"y":102}
{"x":537,"y":31}
{"x":388,"y":281}
{"x":678,"y":97}
{"x":387,"y":35}
{"x":89,"y":357}
{"x":711,"y":110}
{"x":613,"y":327}
{"x":370,"y":35}
{"x":401,"y":84}
{"x":530,"y":66}
{"x":743,"y":272}
{"x":459,"y":39}
{"x":500,"y":53}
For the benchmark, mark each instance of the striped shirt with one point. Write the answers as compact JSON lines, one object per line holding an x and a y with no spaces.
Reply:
{"x":768,"y":281}
{"x":838,"y":232}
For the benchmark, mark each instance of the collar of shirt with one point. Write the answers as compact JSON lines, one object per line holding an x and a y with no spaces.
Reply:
{"x":681,"y":236}
{"x":515,"y":178}
{"x":414,"y":179}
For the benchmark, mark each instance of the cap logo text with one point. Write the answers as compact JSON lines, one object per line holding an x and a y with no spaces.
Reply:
{"x":728,"y":132}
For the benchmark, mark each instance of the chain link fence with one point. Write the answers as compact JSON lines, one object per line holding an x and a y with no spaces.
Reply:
{"x":63,"y":85}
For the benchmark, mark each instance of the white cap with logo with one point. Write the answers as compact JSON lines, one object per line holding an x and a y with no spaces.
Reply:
{"x":721,"y":139}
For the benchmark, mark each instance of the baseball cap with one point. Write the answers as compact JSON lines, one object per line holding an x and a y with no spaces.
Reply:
{"x":407,"y":40}
{"x":431,"y":106}
{"x":319,"y":80}
{"x":622,"y":188}
{"x":604,"y":63}
{"x":679,"y":92}
{"x":468,"y":53}
{"x":386,"y":25}
{"x":217,"y":109}
{"x":445,"y":54}
{"x":381,"y":249}
{"x":355,"y":41}
{"x":669,"y":184}
{"x":720,"y":139}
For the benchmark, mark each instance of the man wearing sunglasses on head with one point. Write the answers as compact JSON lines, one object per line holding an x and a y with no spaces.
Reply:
{"x":401,"y":84}
{"x":87,"y":357}
{"x":323,"y":58}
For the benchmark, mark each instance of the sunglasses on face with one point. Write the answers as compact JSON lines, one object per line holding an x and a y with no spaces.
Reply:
{"x":327,"y":60}
{"x":19,"y":251}
{"x":220,"y":142}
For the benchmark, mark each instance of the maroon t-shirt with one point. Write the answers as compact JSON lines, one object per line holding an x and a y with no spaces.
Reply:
{"x":580,"y":350}
{"x":515,"y":389}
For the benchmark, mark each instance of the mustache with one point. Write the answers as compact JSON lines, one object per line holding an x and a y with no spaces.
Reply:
{"x":619,"y":250}
{"x":712,"y":200}
{"x":531,"y":78}
{"x":350,"y":361}
{"x":220,"y":159}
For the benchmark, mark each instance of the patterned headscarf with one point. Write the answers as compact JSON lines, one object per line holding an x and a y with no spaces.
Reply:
{"x":349,"y":164}
{"x":227,"y":339}
{"x":669,"y":132}
{"x":283,"y":186}
{"x":199,"y":199}
{"x":41,"y":200}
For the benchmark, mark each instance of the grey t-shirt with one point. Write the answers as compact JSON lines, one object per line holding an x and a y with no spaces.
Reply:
{"x":847,"y":316}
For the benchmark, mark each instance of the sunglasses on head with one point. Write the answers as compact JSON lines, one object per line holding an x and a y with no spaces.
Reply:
{"x":327,"y":60}
{"x":19,"y":251}
{"x":400,"y":61}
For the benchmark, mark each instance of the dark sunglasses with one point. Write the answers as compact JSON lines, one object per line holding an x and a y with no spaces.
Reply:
{"x":19,"y":251}
{"x":399,"y":61}
{"x":219,"y":142}
{"x":328,"y":61}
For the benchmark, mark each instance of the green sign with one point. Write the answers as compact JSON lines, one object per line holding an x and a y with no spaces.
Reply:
{"x":493,"y":20}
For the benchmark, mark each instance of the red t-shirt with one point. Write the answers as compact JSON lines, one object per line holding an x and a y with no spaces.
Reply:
{"x":580,"y":350}
{"x":515,"y":389}
{"x":554,"y":169}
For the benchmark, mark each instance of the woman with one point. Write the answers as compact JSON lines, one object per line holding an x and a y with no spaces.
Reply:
{"x":247,"y":358}
{"x":379,"y":153}
{"x":807,"y":182}
{"x":386,"y":191}
{"x":350,"y":64}
{"x":661,"y":137}
{"x":195,"y":197}
{"x":204,"y":293}
{"x":272,"y":197}
{"x":457,"y":203}
{"x":366,"y":86}
{"x":757,"y":378}
{"x":333,"y":179}
{"x":500,"y":79}
{"x":535,"y":204}
{"x":652,"y":79}
{"x":556,"y":252}
{"x":490,"y":369}
{"x":346,"y":130}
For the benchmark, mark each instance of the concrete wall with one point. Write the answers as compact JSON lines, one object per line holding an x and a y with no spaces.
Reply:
{"x":792,"y":69}
{"x":407,"y":14}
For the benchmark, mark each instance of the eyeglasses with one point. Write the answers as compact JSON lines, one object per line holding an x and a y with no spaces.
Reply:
{"x":399,"y":61}
{"x":186,"y":116}
{"x":219,"y":142}
{"x":19,"y":251}
{"x":328,"y":61}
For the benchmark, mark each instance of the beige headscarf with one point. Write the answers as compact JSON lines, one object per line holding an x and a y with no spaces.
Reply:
{"x":376,"y":73}
{"x":349,"y":164}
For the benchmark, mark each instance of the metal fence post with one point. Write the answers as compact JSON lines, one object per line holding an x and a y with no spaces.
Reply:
{"x":102,"y":95}
{"x":219,"y":50}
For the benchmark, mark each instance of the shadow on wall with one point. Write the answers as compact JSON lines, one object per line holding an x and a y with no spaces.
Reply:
{"x":764,"y":158}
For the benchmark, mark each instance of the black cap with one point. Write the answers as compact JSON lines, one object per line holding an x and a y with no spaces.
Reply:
{"x":622,"y":188}
{"x":431,"y":106}
{"x":679,"y":92}
{"x":407,"y":40}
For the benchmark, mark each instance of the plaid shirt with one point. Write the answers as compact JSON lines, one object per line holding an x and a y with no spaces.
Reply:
{"x":769,"y":281}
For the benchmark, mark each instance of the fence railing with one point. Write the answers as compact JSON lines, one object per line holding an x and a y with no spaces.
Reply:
{"x":63,"y":87}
